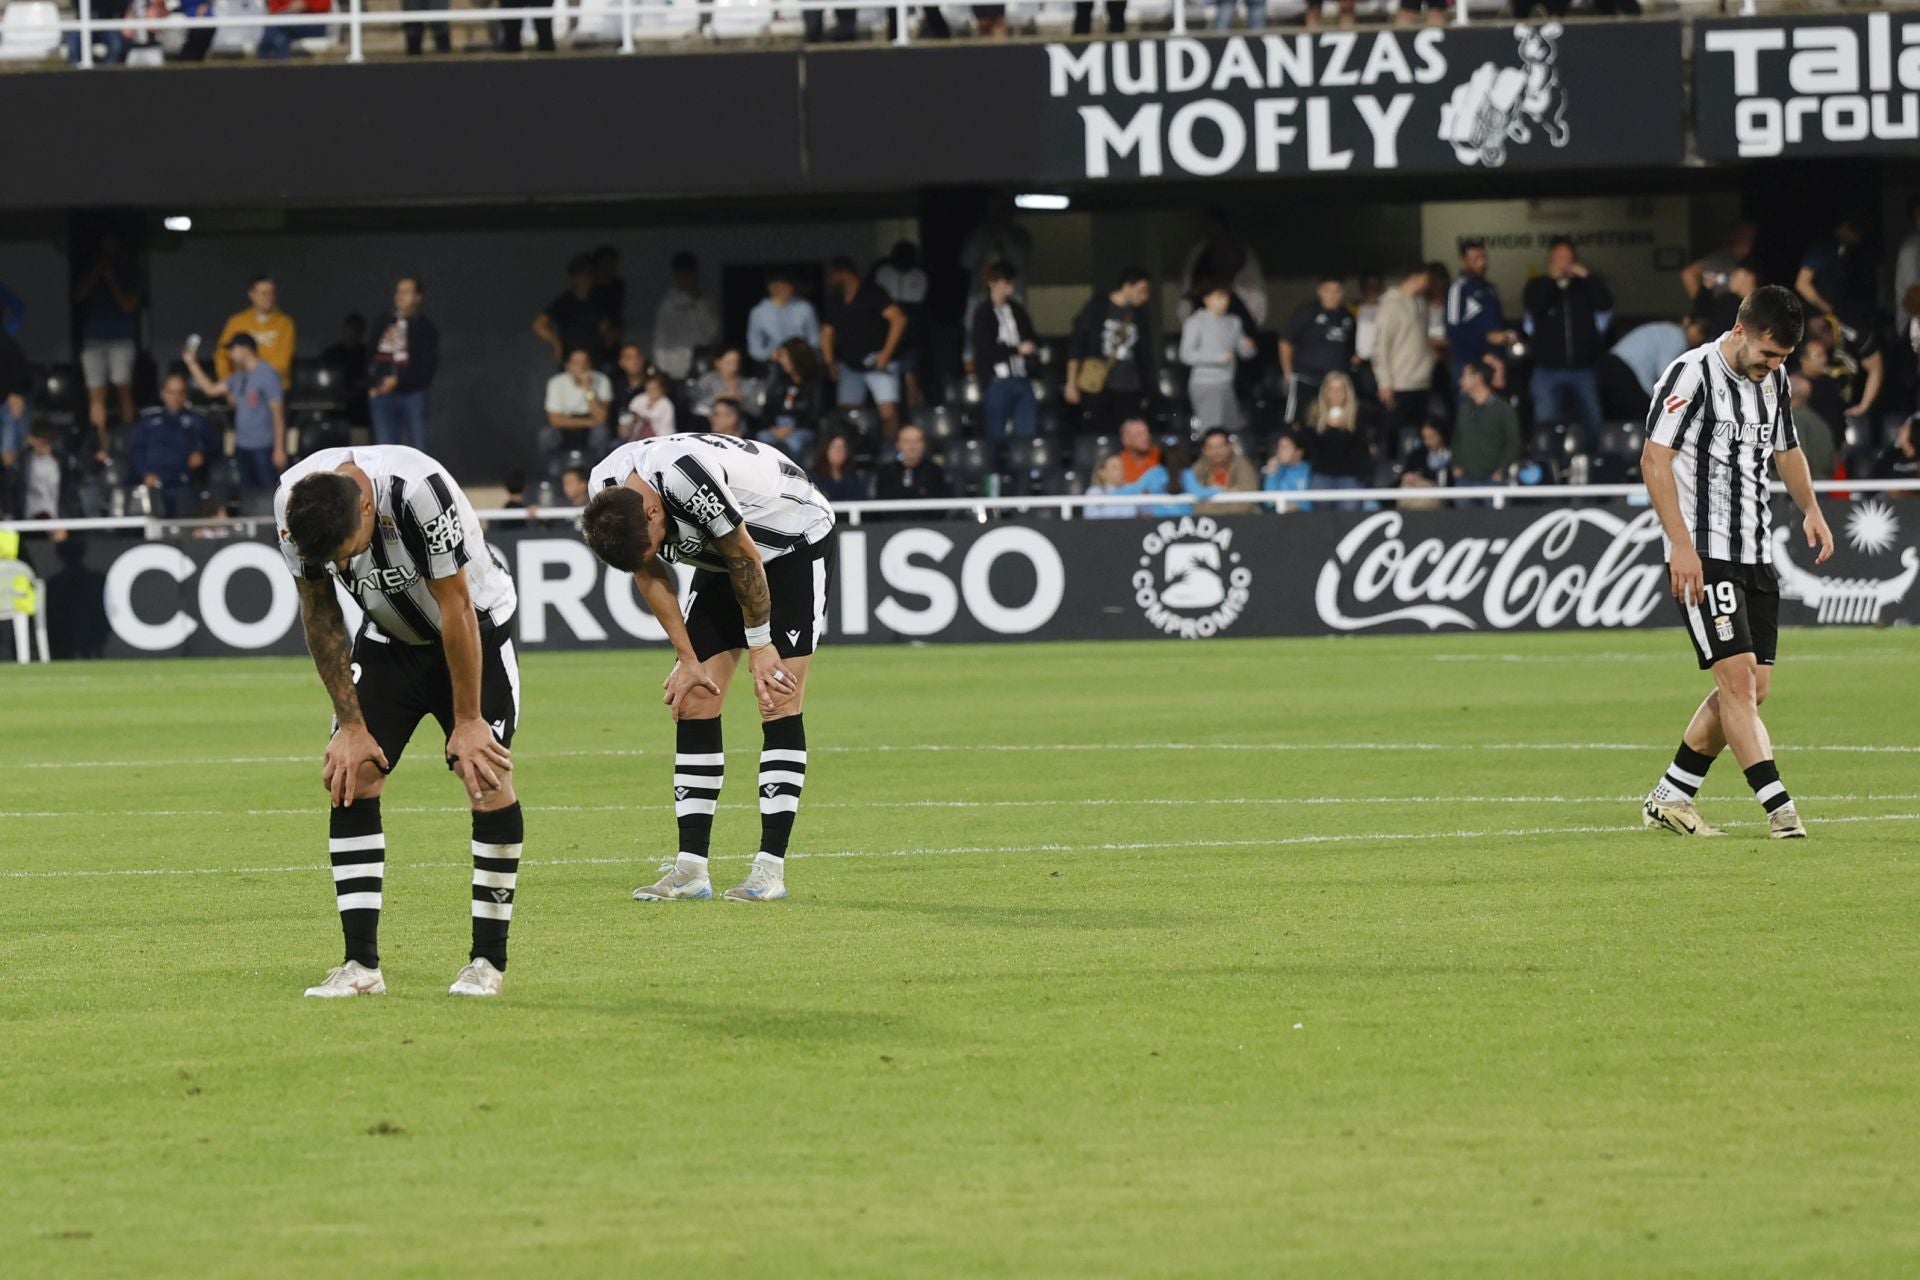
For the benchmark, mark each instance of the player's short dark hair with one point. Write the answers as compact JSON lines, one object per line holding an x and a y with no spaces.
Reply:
{"x":1481,"y":370}
{"x":733,"y":403}
{"x":584,"y":474}
{"x":419,"y":285}
{"x":1001,"y":271}
{"x":1471,"y":242}
{"x":1222,"y":432}
{"x":242,"y":340}
{"x":259,"y":278}
{"x":615,"y":526}
{"x":685,"y":261}
{"x":322,"y":513}
{"x":1775,"y":312}
{"x":839,"y":264}
{"x":41,"y":429}
{"x":1557,"y":241}
{"x":1131,"y":275}
{"x":1329,"y":277}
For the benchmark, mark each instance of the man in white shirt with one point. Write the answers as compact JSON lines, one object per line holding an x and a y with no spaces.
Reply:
{"x":577,"y":400}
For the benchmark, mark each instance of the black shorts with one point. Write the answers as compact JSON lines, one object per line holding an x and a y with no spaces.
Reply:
{"x":798,"y":584}
{"x":398,"y":684}
{"x":1740,"y":614}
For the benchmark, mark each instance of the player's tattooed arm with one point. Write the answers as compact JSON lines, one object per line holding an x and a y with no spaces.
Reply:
{"x":330,"y":646}
{"x":749,"y":578}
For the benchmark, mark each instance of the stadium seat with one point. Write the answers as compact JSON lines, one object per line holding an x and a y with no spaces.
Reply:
{"x":939,"y":422}
{"x":969,"y":463}
{"x":681,"y":21}
{"x":58,"y":388}
{"x":1612,"y":442}
{"x":1409,"y":437}
{"x":316,"y":385}
{"x":1170,"y":353}
{"x":1088,"y":450}
{"x":240,"y":41}
{"x":29,"y":31}
{"x":560,"y":463}
{"x":1172,"y":382}
{"x":598,"y":22}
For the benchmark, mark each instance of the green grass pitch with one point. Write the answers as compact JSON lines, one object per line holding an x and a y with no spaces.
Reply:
{"x":1333,"y":958}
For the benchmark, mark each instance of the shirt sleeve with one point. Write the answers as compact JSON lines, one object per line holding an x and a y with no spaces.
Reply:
{"x":1785,"y":434}
{"x":1676,"y":402}
{"x":700,"y":497}
{"x":431,"y":526}
{"x":556,"y":393}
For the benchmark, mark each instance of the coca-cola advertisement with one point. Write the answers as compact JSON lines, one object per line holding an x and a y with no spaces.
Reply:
{"x":1192,"y":577}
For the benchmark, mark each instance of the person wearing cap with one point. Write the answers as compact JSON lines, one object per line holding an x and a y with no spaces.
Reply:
{"x":272,"y":330}
{"x":1475,"y":322}
{"x":259,"y":410}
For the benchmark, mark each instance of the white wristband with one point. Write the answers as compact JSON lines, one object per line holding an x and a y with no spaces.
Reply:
{"x":760,"y":637}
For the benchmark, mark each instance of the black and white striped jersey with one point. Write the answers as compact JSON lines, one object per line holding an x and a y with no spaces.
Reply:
{"x":712,"y":485}
{"x":424,"y":528}
{"x":1725,"y":429}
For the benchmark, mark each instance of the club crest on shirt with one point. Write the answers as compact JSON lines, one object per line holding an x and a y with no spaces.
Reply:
{"x":1723,"y":627}
{"x":388,"y":529}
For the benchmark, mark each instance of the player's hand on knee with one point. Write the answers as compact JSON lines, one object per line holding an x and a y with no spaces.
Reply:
{"x":773,"y":684}
{"x":350,"y":750}
{"x":684,"y":679}
{"x":478,"y":757}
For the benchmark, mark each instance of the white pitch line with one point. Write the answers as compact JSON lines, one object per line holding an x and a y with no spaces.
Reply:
{"x":960,"y":748}
{"x":1083,"y":802}
{"x":1101,"y":847}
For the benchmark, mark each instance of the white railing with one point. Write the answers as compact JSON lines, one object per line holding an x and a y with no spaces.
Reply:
{"x":355,"y":19}
{"x":1497,"y":496}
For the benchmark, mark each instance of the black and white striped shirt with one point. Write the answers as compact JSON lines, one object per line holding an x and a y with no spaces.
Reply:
{"x":1725,"y":429}
{"x":424,"y":528}
{"x":712,"y":485}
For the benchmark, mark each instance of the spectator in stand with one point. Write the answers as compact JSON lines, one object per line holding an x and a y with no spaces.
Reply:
{"x":510,"y":37}
{"x":1403,"y":354}
{"x":1407,"y":14}
{"x":109,"y":301}
{"x":348,"y":359}
{"x":1142,"y":467}
{"x":1827,"y":381}
{"x":1628,"y":373}
{"x":573,"y":486}
{"x":860,"y":336}
{"x":1900,"y":460}
{"x":1223,"y":11}
{"x":406,"y":355}
{"x":1212,"y":344}
{"x":168,"y":448}
{"x":726,"y":419}
{"x":1366,"y":316}
{"x":1712,"y":275}
{"x":1339,"y":453}
{"x":911,"y":473}
{"x":902,"y":278}
{"x":631,"y":369}
{"x":725,"y":379}
{"x":610,"y":291}
{"x":1430,"y":461}
{"x":255,"y":391}
{"x":1486,"y":430}
{"x":271,"y":329}
{"x":277,"y":42}
{"x":1083,"y":17}
{"x":1109,"y":367}
{"x":416,"y":31}
{"x":1438,"y":282}
{"x":1109,"y":478}
{"x":846,"y":28}
{"x":16,"y":380}
{"x":1223,"y":255}
{"x":1221,"y":469}
{"x":998,"y":239}
{"x":1717,"y":311}
{"x":834,"y":474}
{"x":1315,"y":17}
{"x":577,"y":402}
{"x":793,"y":391}
{"x":789,"y":437}
{"x":1568,"y":310}
{"x":1836,"y":275}
{"x":515,"y":483}
{"x":41,"y":487}
{"x":652,"y":412}
{"x":1817,"y":437}
{"x":780,"y":316}
{"x":1475,"y":320}
{"x":685,"y":322}
{"x":576,"y":320}
{"x":1003,"y":339}
{"x":109,"y":38}
{"x":1859,"y":366}
{"x":1288,"y":471}
{"x":1906,"y":269}
{"x":1317,"y":341}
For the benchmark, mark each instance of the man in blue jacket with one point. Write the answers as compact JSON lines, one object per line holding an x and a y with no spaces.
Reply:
{"x":1475,"y":323}
{"x":170,"y":445}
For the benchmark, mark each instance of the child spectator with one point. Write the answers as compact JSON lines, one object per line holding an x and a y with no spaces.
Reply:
{"x":1287,"y":471}
{"x":1212,"y":344}
{"x":259,"y":410}
{"x":1110,"y":478}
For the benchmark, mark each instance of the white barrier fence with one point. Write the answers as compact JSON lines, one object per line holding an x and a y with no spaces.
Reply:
{"x":1069,"y":506}
{"x":629,"y":15}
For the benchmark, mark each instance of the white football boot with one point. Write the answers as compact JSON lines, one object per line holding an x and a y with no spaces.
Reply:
{"x":1677,"y":816}
{"x":479,"y":978}
{"x":685,"y":878}
{"x":350,"y":979}
{"x":767,"y":882}
{"x":1784,"y":824}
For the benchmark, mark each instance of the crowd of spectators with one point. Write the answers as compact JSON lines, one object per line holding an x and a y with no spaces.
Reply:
{"x":1425,"y":380}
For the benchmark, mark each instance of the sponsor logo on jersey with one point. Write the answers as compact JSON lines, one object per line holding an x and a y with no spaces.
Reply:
{"x":705,"y":505}
{"x":386,"y":581}
{"x":1743,"y":432}
{"x":1191,"y":582}
{"x":443,"y":532}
